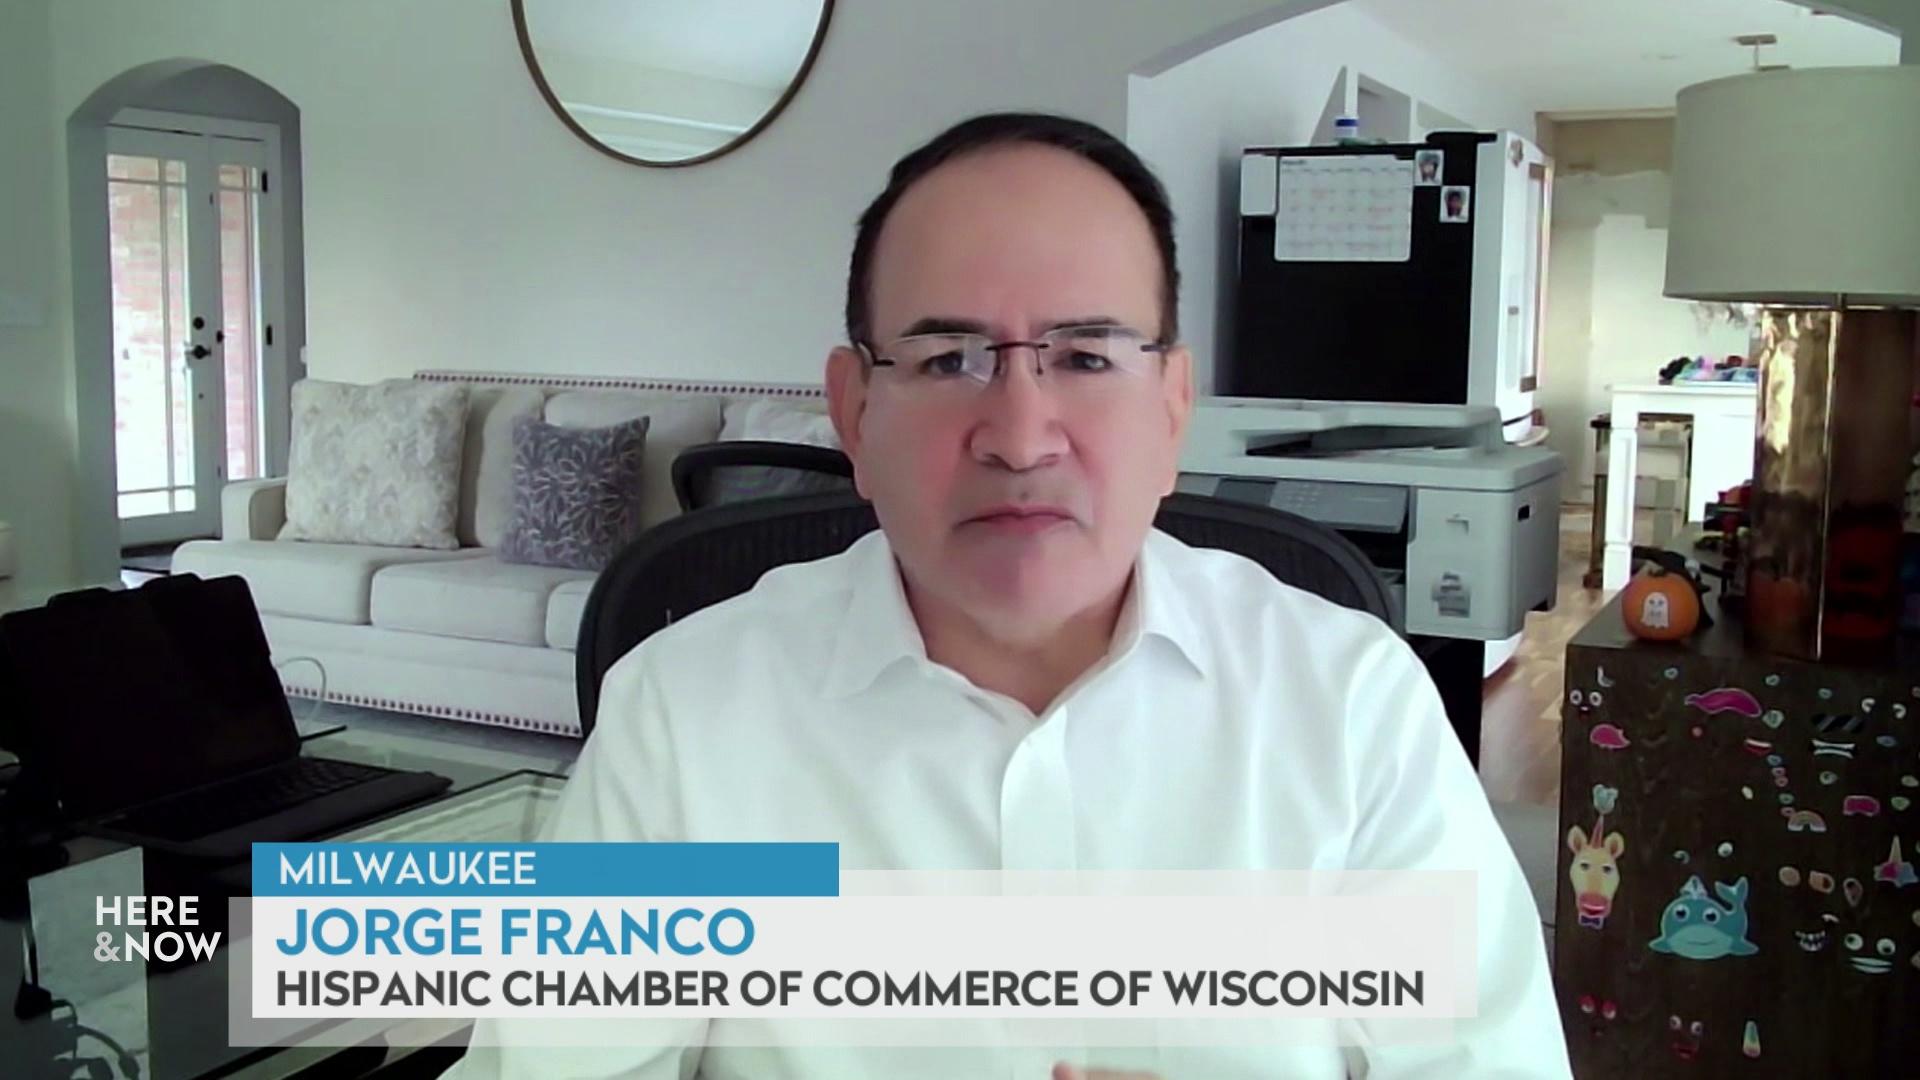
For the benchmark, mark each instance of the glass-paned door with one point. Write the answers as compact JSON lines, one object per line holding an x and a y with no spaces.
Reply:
{"x":186,"y":218}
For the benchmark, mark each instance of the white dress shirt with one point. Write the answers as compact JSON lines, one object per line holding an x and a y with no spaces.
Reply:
{"x":1235,"y":724}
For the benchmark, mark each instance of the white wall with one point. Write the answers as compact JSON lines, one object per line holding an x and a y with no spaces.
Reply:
{"x":36,"y":431}
{"x":1191,"y":122}
{"x":452,"y":221}
{"x":1607,"y":321}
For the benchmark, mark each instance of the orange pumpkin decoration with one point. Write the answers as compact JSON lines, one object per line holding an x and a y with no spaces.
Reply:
{"x":1660,"y":606}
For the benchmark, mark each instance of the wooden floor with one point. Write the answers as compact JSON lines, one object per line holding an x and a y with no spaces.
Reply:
{"x":1520,"y":724}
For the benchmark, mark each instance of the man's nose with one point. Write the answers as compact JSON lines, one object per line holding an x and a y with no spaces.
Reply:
{"x":1019,"y":427}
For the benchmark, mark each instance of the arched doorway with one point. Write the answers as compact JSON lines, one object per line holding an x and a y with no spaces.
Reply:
{"x":189,"y":314}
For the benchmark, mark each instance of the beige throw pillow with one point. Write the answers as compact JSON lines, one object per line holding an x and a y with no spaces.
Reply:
{"x":375,"y":464}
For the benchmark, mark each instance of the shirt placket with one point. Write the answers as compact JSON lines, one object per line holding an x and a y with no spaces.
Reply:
{"x":1037,"y":829}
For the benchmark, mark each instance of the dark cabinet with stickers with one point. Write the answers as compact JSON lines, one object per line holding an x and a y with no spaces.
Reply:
{"x":1739,"y":834}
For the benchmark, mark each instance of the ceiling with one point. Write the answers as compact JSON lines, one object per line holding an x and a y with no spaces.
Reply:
{"x":755,"y":43}
{"x":1621,"y":55}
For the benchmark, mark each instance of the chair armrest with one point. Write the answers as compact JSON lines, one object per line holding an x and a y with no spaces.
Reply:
{"x":253,"y":509}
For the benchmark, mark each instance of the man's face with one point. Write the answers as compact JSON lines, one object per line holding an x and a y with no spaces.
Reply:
{"x":1024,"y":502}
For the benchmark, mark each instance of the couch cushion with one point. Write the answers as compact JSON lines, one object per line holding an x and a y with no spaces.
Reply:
{"x":678,"y":421}
{"x":330,"y":582}
{"x":564,"y":610}
{"x":481,"y":598}
{"x":486,"y":466}
{"x":779,"y":420}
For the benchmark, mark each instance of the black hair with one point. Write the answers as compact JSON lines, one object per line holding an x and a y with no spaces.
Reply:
{"x":1077,"y":137}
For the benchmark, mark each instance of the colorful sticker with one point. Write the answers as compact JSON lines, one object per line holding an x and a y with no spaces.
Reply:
{"x":1609,"y":737}
{"x":1878,"y":961}
{"x":1826,"y":694}
{"x":1789,"y":876}
{"x":1773,"y":718}
{"x":1595,"y":873}
{"x":1746,"y":792}
{"x":1697,"y":927}
{"x":1860,"y":806}
{"x":1899,"y":802}
{"x":1823,"y":748}
{"x":1773,"y":680}
{"x":1750,"y":1040}
{"x":1759,"y":748}
{"x":1866,"y":705}
{"x":1726,"y":699}
{"x":1674,"y":673}
{"x":1896,"y":871}
{"x":1854,"y":891}
{"x":1829,"y":777}
{"x":1887,"y":741}
{"x":1600,"y":677}
{"x":1804,"y":821}
{"x":1725,"y":850}
{"x":1910,"y":781}
{"x":1820,"y":881}
{"x":1599,"y":1012}
{"x":1684,"y":1038}
{"x":1828,"y":723}
{"x":1813,"y":941}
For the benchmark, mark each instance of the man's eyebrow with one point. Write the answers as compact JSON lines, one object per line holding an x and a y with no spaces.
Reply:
{"x":946,"y":324}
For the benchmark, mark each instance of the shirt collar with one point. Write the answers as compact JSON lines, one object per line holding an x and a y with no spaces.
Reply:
{"x":877,"y":628}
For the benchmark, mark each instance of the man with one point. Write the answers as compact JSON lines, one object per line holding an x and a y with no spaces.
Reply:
{"x":1016,"y":672}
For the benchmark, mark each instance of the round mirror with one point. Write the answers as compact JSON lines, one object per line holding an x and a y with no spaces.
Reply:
{"x":669,"y":82}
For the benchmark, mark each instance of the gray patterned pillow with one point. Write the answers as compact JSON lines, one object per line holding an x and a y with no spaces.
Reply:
{"x":576,"y":493}
{"x":375,"y":464}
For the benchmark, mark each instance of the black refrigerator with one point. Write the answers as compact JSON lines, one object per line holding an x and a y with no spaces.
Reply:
{"x":1408,"y":272}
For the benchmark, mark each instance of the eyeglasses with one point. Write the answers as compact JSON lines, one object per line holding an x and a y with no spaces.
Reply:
{"x":1083,"y":357}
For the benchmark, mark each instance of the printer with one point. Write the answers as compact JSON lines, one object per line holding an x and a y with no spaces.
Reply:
{"x":1463,"y":525}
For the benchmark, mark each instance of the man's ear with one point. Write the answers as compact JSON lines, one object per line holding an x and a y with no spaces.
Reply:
{"x":1176,"y":391}
{"x":847,"y":400}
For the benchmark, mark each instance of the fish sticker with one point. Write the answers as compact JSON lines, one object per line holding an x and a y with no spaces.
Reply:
{"x":1609,"y":737}
{"x":1697,"y":927}
{"x":1860,"y":806}
{"x":1726,"y":699}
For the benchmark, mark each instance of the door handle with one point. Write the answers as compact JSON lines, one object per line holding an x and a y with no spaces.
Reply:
{"x":199,"y":352}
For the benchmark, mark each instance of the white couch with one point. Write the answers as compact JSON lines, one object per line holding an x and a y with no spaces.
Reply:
{"x":460,"y":633}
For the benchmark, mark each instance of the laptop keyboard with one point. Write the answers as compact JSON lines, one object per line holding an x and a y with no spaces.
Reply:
{"x":229,"y":803}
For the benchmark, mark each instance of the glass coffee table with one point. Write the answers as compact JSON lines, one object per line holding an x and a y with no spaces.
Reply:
{"x":135,"y":1020}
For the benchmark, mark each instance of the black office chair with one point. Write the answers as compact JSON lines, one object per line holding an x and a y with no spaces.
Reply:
{"x":719,"y":473}
{"x":697,"y":559}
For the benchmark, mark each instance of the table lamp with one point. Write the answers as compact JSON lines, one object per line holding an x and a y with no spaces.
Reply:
{"x":1799,"y":192}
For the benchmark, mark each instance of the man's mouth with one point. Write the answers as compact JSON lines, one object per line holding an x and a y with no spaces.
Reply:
{"x":1021,"y":518}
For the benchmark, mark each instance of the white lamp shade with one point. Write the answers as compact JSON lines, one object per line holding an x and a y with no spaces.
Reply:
{"x":1795,"y":187}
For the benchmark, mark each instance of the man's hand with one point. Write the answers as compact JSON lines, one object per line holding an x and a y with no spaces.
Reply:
{"x":1064,"y":1071}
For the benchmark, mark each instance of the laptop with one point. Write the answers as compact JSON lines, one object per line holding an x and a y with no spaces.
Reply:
{"x":154,"y":716}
